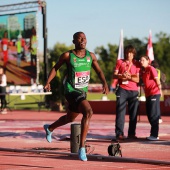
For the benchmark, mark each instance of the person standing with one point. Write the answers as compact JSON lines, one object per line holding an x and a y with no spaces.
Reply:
{"x":79,"y":62}
{"x":3,"y":84}
{"x":4,"y":47}
{"x":152,"y":88}
{"x":127,"y":73}
{"x":33,"y":47}
{"x":19,"y":50}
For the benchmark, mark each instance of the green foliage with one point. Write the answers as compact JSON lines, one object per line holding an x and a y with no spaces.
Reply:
{"x":24,"y":104}
{"x":162,"y":53}
{"x":2,"y":33}
{"x":107,"y":59}
{"x":41,"y":74}
{"x":11,"y":34}
{"x":139,"y":46}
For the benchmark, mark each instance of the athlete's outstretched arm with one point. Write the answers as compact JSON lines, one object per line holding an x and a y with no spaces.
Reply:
{"x":63,"y":59}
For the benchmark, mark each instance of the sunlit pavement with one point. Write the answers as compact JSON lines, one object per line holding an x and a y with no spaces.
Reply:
{"x":23,"y":144}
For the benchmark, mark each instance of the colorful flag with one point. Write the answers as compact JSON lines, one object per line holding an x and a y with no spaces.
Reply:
{"x":121,"y":48}
{"x":120,"y":56}
{"x":149,"y":51}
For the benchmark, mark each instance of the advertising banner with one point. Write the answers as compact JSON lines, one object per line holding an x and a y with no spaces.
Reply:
{"x":18,"y":47}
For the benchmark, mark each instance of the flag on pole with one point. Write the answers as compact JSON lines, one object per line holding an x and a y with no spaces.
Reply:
{"x":149,"y":51}
{"x":120,"y":56}
{"x":121,"y":48}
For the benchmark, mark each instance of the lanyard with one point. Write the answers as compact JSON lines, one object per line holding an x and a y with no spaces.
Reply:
{"x":128,"y":67}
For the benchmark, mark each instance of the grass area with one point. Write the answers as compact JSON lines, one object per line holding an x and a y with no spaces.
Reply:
{"x":36,"y":98}
{"x":28,"y":99}
{"x":24,"y":104}
{"x":98,"y":96}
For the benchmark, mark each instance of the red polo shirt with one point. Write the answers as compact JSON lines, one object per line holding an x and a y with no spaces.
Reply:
{"x":133,"y":68}
{"x":148,"y":76}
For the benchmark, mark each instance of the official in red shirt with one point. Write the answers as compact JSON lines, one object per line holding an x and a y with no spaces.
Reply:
{"x":152,"y":88}
{"x":127,"y":73}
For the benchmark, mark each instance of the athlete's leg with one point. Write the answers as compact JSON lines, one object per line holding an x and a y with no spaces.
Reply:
{"x":67,"y":118}
{"x":87,"y":112}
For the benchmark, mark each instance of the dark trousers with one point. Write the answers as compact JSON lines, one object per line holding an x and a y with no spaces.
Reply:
{"x":3,"y":97}
{"x":153,"y":113}
{"x":33,"y":60}
{"x":124,"y":97}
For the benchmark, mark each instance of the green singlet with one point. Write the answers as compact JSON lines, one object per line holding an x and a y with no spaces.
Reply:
{"x":78,"y":73}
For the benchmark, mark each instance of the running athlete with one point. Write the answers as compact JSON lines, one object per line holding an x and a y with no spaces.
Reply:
{"x":79,"y":62}
{"x":152,"y":88}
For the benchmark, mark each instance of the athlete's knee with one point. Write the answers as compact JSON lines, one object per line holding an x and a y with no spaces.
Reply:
{"x":71,"y":116}
{"x":71,"y":119}
{"x":89,"y":112}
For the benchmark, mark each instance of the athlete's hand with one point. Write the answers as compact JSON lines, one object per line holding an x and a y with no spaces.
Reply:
{"x":47,"y":87}
{"x":105,"y":89}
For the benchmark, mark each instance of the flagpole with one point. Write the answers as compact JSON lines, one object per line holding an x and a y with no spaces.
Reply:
{"x":149,"y":51}
{"x":121,"y":47}
{"x":120,"y":56}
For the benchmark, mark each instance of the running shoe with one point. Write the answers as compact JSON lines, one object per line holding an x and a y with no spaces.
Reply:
{"x":160,"y":121}
{"x":82,"y":154}
{"x":48,"y":133}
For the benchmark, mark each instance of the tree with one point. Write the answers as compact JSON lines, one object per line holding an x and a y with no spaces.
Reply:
{"x":107,"y":59}
{"x":162,"y":53}
{"x":139,"y":45}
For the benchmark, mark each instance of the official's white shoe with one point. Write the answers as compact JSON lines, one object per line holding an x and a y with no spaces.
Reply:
{"x":4,"y":111}
{"x":160,"y":121}
{"x":152,"y":138}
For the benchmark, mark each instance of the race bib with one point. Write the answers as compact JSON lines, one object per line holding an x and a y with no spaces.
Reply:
{"x":82,"y":79}
{"x":4,"y":47}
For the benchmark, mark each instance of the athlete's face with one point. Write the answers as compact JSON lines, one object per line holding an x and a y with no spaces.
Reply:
{"x":80,"y":41}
